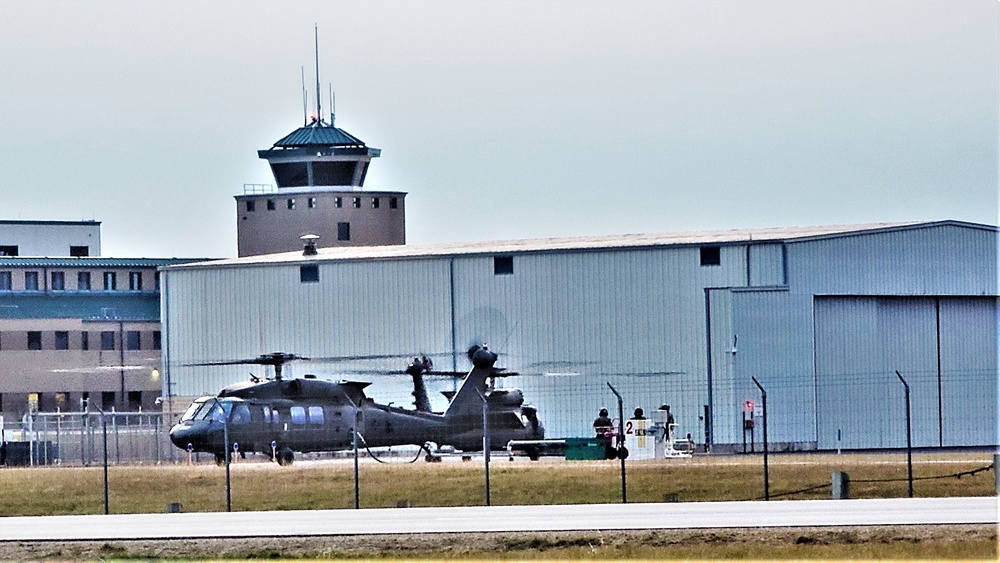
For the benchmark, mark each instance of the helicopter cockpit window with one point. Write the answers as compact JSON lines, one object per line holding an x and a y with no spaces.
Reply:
{"x":241,"y":414}
{"x":316,"y":416}
{"x":215,"y":413}
{"x":192,"y":411}
{"x":298,"y":416}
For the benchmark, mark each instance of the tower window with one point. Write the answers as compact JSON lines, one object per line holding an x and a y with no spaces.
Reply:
{"x":308,"y":273}
{"x":62,"y":340}
{"x":107,"y":340}
{"x":357,"y":203}
{"x":711,"y":256}
{"x":503,"y":265}
{"x":85,"y":340}
{"x":291,"y":203}
{"x":251,"y":205}
{"x":58,"y":281}
{"x":374,"y":203}
{"x":157,"y":342}
{"x":83,"y":281}
{"x":393,"y":203}
{"x":110,"y":281}
{"x":79,"y":251}
{"x":5,"y":281}
{"x":31,"y":281}
{"x":132,"y":340}
{"x":338,"y":202}
{"x":34,"y":340}
{"x":343,"y":231}
{"x":270,"y":205}
{"x":135,"y":281}
{"x":311,"y":202}
{"x":8,"y":250}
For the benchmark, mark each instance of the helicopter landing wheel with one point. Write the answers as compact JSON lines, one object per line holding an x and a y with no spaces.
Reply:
{"x":286,"y":456}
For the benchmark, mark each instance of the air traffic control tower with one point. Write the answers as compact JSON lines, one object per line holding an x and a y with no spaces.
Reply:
{"x":320,"y":172}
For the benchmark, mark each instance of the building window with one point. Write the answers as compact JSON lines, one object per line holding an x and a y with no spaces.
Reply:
{"x":291,"y":203}
{"x":357,"y":203}
{"x":107,"y":340}
{"x":58,"y":281}
{"x":309,"y":273}
{"x":343,"y":231}
{"x":5,"y":281}
{"x":107,"y":400}
{"x":503,"y":265}
{"x":338,"y":202}
{"x":711,"y":256}
{"x":251,"y":205}
{"x":79,"y":251}
{"x":83,"y":281}
{"x":8,"y":250}
{"x":135,"y":400}
{"x":311,"y":202}
{"x":132,"y":340}
{"x":393,"y":203}
{"x":62,"y":340}
{"x":270,"y":205}
{"x":135,"y":281}
{"x":110,"y":281}
{"x":85,"y":340}
{"x":156,"y":340}
{"x":375,"y":203}
{"x":34,"y":340}
{"x":31,"y":281}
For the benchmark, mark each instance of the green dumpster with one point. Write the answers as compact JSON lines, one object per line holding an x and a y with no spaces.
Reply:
{"x":584,"y":448}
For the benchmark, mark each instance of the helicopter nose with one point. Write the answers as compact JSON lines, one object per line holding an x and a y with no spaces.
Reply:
{"x":181,"y":435}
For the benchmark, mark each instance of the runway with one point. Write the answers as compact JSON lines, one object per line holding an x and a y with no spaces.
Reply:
{"x":795,"y":513}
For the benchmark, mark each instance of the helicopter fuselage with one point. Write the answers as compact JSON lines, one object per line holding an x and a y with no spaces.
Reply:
{"x":310,"y":415}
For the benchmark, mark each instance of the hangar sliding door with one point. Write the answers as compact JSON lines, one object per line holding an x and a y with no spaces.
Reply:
{"x":944,"y":347}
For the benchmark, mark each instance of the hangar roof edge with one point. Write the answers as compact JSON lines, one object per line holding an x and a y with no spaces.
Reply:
{"x":585,"y":243}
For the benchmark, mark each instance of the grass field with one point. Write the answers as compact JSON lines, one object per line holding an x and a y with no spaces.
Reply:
{"x":260,"y":485}
{"x":328,"y":484}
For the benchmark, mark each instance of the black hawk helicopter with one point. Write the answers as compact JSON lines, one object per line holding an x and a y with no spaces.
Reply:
{"x":281,"y":416}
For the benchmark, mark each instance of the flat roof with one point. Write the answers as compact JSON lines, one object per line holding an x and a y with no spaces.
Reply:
{"x":92,"y":262}
{"x":588,"y":243}
{"x":47,"y":223}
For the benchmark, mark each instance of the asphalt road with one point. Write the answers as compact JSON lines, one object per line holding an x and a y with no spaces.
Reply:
{"x":795,"y":513}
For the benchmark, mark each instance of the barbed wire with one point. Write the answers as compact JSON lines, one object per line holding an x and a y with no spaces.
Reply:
{"x":958,"y":475}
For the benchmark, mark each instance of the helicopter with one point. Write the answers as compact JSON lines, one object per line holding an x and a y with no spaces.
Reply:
{"x":280,"y":417}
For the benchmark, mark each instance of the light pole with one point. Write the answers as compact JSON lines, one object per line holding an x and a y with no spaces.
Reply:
{"x":104,"y":426}
{"x":909,"y":436}
{"x":486,"y":444}
{"x":620,"y":441}
{"x":763,"y":404}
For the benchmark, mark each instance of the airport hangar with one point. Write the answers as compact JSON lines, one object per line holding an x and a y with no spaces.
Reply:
{"x":822,"y":317}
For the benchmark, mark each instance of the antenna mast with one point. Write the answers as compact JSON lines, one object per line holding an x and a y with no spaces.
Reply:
{"x":319,"y":93}
{"x":333,"y":105}
{"x":305,"y":99}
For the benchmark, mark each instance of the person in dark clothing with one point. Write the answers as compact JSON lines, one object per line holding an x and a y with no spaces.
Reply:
{"x":604,"y":429}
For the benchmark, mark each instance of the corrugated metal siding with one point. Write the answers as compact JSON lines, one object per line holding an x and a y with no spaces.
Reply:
{"x":623,"y":317}
{"x":862,"y":342}
{"x":632,"y":317}
{"x":969,"y":371}
{"x":767,"y":264}
{"x":774,"y":330}
{"x":943,"y":260}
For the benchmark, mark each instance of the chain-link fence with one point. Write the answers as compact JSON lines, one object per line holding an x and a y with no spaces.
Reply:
{"x":79,"y":438}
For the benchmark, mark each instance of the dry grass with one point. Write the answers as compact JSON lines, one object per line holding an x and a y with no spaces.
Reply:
{"x":330,"y":485}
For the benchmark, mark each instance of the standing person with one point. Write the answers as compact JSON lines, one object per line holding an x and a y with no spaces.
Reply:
{"x":604,"y":430}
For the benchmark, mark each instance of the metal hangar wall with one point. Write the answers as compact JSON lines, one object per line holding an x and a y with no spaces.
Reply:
{"x":823,"y":317}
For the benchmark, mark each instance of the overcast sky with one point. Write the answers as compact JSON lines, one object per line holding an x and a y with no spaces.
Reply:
{"x":509,"y":119}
